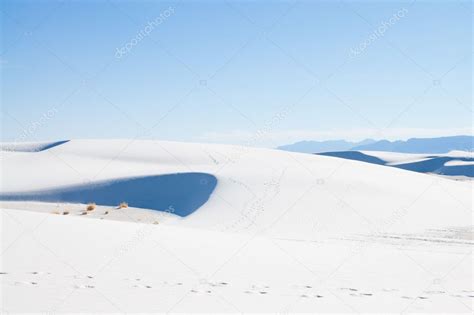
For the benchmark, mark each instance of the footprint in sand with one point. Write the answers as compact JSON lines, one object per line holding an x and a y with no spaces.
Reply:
{"x":434,"y":292}
{"x":361,"y":294}
{"x":389,"y":290}
{"x":306,"y":291}
{"x":143,"y":286}
{"x":255,"y":292}
{"x":355,"y":292}
{"x":39,"y":273}
{"x":84,"y":286}
{"x":217,"y":284}
{"x":257,"y":289}
{"x":205,"y":287}
{"x":81,"y":277}
{"x":26,"y":283}
{"x":310,"y":296}
{"x":470,"y":293}
{"x":200,"y":291}
{"x":302,"y":286}
{"x":166,"y":283}
{"x":348,"y":289}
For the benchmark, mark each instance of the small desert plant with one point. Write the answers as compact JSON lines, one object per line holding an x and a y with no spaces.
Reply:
{"x":65,"y":212}
{"x":106,"y":212}
{"x":84,"y":213}
{"x":90,"y":206}
{"x":122,"y":205}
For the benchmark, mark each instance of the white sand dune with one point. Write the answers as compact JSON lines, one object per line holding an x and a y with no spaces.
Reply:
{"x":455,"y":165}
{"x":402,"y":158}
{"x":459,"y":163}
{"x":279,"y":232}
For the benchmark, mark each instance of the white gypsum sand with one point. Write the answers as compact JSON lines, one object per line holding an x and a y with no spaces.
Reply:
{"x":280,"y":232}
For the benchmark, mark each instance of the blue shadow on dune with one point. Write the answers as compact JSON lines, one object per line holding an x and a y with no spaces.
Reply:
{"x":181,"y":193}
{"x":437,"y":165}
{"x":433,"y":164}
{"x":356,"y":156}
{"x":427,"y":166}
{"x":457,"y":170}
{"x":52,"y":145}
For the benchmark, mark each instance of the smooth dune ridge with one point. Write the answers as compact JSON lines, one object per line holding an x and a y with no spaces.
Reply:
{"x":30,"y":146}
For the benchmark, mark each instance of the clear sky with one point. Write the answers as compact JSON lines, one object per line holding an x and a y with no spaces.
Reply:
{"x":259,"y":73}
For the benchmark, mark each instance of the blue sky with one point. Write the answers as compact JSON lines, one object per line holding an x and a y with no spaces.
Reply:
{"x":256,"y":73}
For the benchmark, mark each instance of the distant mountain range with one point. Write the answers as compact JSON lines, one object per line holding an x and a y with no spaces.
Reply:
{"x":324,"y":146}
{"x":426,"y":145}
{"x":415,"y":145}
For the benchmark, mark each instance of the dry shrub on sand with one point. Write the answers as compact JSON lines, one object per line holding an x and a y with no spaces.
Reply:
{"x":90,"y":206}
{"x":65,"y":212}
{"x":122,"y":205}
